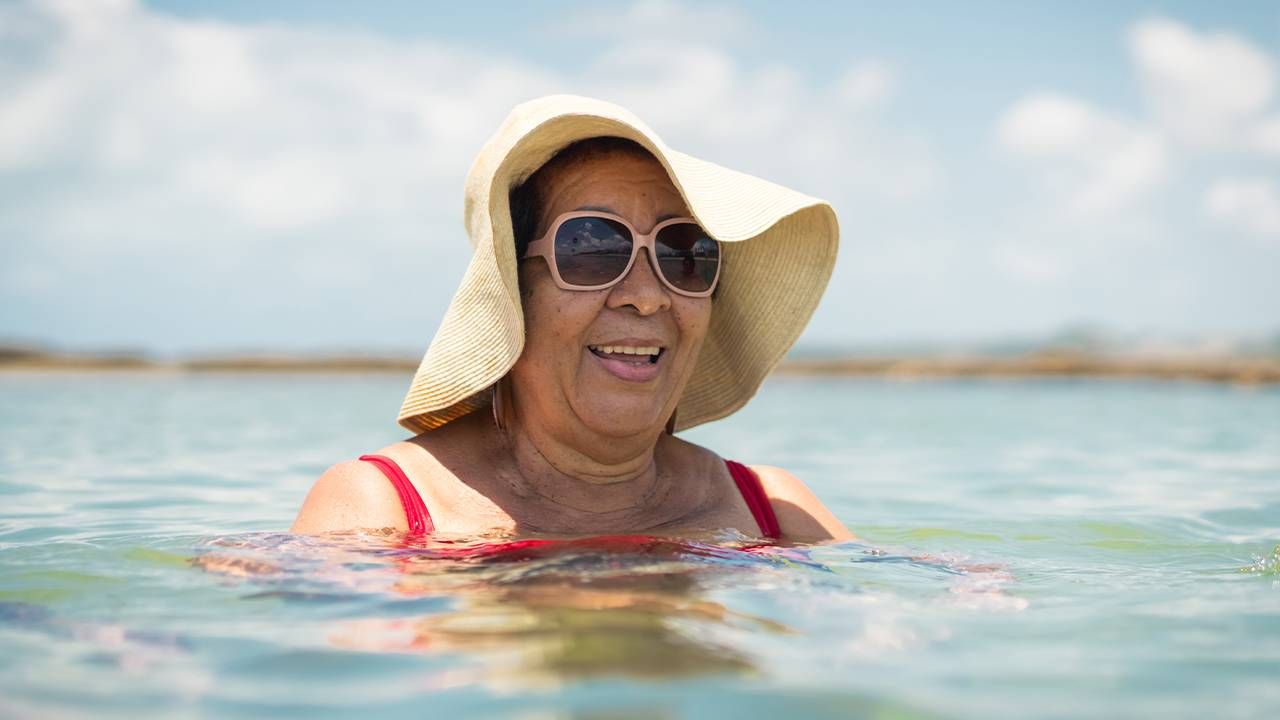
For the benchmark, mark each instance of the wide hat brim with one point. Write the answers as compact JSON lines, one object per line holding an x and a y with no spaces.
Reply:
{"x":779,"y":249}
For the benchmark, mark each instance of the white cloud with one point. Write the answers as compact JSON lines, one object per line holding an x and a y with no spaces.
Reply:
{"x":1210,"y":96}
{"x":1036,"y":265}
{"x":1098,"y":161}
{"x":280,"y":129}
{"x":1266,"y":137}
{"x":290,"y":129}
{"x":1251,"y":204}
{"x":288,"y":189}
{"x":661,"y":22}
{"x":221,"y":150}
{"x":694,"y":72}
{"x":1204,"y":87}
{"x":761,"y":118}
{"x":867,"y":84}
{"x":1049,"y":124}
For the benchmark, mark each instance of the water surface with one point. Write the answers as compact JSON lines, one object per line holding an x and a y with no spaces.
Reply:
{"x":1028,"y":549}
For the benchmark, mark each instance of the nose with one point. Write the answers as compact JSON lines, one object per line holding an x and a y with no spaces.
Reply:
{"x":641,"y":289}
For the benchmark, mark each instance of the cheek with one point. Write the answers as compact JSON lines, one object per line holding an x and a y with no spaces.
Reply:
{"x":693,"y":317}
{"x":555,"y":319}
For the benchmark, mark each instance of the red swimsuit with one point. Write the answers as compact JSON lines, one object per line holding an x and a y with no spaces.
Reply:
{"x":415,"y":511}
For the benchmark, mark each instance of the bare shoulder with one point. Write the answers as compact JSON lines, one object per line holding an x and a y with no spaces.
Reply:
{"x":348,"y":496}
{"x":801,"y":515}
{"x":690,"y":456}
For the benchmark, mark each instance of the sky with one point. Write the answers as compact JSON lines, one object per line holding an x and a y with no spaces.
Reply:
{"x":182,"y":177}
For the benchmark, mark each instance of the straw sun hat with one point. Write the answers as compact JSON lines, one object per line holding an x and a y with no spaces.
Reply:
{"x":779,"y":248}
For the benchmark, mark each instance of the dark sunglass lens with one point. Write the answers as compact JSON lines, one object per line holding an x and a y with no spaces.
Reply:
{"x":688,"y":256}
{"x":592,"y":251}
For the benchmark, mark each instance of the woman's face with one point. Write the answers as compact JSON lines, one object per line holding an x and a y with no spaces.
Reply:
{"x":567,"y":370}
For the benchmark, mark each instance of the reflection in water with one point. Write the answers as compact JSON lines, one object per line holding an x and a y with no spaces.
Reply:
{"x":546,"y":612}
{"x":596,"y":607}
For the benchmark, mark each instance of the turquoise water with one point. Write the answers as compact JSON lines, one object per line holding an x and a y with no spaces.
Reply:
{"x":1029,"y":549}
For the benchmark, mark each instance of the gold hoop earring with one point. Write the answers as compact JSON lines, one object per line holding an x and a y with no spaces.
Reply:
{"x":499,"y":406}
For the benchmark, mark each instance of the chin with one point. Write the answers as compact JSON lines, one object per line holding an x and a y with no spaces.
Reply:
{"x":623,"y":419}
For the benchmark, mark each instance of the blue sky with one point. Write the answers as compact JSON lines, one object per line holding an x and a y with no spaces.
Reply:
{"x":186,"y":177}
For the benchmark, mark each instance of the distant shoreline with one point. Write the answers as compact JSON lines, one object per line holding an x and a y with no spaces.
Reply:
{"x":1243,"y":371}
{"x":1236,"y":370}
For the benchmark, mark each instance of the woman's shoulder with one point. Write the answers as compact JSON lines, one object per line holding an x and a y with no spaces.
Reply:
{"x":801,"y":515}
{"x":358,"y":494}
{"x":691,"y":457}
{"x":350,"y":494}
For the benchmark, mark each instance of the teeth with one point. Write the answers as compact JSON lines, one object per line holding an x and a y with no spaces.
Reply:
{"x":626,"y":349}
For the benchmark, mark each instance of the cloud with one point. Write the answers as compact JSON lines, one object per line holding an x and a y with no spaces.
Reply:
{"x":1049,"y":124}
{"x":190,"y":183}
{"x":279,"y":129}
{"x":662,"y":22}
{"x":1251,"y":204}
{"x":1100,"y":162}
{"x":867,"y":84}
{"x":760,"y":119}
{"x":1211,"y":100}
{"x":1266,"y":137}
{"x":238,"y":157}
{"x":1033,"y":265}
{"x":1205,"y":88}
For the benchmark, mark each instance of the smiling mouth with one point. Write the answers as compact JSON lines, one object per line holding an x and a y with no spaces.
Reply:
{"x":636,"y":355}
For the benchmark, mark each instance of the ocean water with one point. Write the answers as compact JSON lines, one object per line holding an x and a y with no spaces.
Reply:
{"x":1049,"y":548}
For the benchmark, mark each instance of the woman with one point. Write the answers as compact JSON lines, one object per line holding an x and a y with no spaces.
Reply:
{"x":619,"y":291}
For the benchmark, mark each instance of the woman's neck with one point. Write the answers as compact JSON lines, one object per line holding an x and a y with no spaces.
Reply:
{"x":577,"y":471}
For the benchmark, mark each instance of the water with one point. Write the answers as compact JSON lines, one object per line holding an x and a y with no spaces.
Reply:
{"x":1029,"y":549}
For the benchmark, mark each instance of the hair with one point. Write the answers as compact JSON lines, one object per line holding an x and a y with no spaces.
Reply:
{"x":526,"y":199}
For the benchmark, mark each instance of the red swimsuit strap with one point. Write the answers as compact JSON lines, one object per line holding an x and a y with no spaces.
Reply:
{"x":415,"y":511}
{"x":757,"y":500}
{"x":419,"y":520}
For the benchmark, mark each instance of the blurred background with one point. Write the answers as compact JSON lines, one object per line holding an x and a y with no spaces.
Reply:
{"x":182,"y":179}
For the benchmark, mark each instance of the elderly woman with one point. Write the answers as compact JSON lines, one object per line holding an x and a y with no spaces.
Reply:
{"x":619,"y":291}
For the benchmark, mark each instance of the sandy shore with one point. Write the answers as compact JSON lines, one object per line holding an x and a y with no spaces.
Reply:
{"x":1247,"y":371}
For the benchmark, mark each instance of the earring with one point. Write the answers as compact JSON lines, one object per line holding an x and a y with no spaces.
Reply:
{"x":498,"y":403}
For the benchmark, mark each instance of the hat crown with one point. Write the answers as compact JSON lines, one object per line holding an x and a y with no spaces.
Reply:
{"x":520,"y":124}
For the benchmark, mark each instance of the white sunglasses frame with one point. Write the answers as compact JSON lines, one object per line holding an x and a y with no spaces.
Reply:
{"x":545,"y":247}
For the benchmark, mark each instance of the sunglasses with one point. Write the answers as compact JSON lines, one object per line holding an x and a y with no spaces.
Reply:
{"x":589,"y":250}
